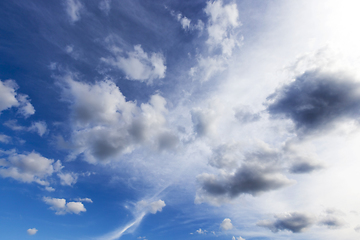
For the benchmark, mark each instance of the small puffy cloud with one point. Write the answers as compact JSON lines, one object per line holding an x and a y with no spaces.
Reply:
{"x":32,"y":231}
{"x":200,"y":231}
{"x":226,"y":156}
{"x":84,"y":200}
{"x":332,"y":222}
{"x":226,"y":224}
{"x":204,"y":121}
{"x":4,"y":138}
{"x":294,"y":222}
{"x":105,"y":6}
{"x":152,"y":207}
{"x":237,"y":238}
{"x":139,"y":65}
{"x":246,"y":115}
{"x":61,"y":207}
{"x":67,"y":179}
{"x":9,"y":98}
{"x":38,"y":127}
{"x":28,"y":167}
{"x":73,"y":9}
{"x":316,"y":100}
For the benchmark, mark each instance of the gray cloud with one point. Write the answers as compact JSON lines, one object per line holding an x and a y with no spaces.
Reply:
{"x":250,"y":178}
{"x":305,"y":167}
{"x":245,"y":115}
{"x":316,"y":99}
{"x":294,"y":222}
{"x":332,"y":222}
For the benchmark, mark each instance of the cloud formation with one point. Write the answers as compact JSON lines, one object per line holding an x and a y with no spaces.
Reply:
{"x":226,"y":224}
{"x":317,"y":99}
{"x":294,"y":222}
{"x":10,"y":98}
{"x":138,"y":65}
{"x":73,"y":9}
{"x":61,"y":207}
{"x":28,"y":167}
{"x":32,"y":231}
{"x":105,"y":125}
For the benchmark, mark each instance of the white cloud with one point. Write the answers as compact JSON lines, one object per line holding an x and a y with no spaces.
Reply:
{"x":67,"y":179}
{"x":200,"y":231}
{"x":105,"y":125}
{"x":61,"y":207}
{"x":84,"y":200}
{"x":4,"y":138}
{"x":237,"y":238}
{"x":223,"y":20}
{"x":73,"y":9}
{"x":32,"y":231}
{"x":9,"y":98}
{"x":151,"y":207}
{"x":138,"y":65}
{"x":28,"y":167}
{"x":105,"y":6}
{"x":38,"y":127}
{"x":226,"y":224}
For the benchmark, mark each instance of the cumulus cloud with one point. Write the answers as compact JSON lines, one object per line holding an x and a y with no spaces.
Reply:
{"x":316,"y":100}
{"x":204,"y":121}
{"x":246,"y":115}
{"x":61,"y":207}
{"x":294,"y":222}
{"x":138,"y":65}
{"x":332,"y":222}
{"x":32,"y":231}
{"x":105,"y":125}
{"x":200,"y":231}
{"x":187,"y":24}
{"x":4,"y":138}
{"x":9,"y":98}
{"x":305,"y":166}
{"x":73,"y":9}
{"x":67,"y":179}
{"x":38,"y":127}
{"x":226,"y":156}
{"x":28,"y":167}
{"x":151,"y":207}
{"x":226,"y":224}
{"x":222,"y":21}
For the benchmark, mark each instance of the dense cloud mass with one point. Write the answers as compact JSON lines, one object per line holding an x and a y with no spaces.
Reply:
{"x":316,"y":99}
{"x":106,"y":125}
{"x":294,"y":222}
{"x":250,"y":178}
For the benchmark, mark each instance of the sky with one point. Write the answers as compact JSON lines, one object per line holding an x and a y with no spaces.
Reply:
{"x":169,"y":119}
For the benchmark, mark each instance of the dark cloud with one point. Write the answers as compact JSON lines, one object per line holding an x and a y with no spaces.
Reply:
{"x":305,"y":167}
{"x":316,"y":99}
{"x":294,"y":222}
{"x":250,"y":178}
{"x":332,"y":222}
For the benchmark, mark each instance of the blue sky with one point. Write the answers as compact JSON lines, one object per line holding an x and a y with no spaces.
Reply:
{"x":217,"y":119}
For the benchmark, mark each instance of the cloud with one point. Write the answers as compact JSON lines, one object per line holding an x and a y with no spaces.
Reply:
{"x":4,"y":138}
{"x":200,"y":231}
{"x":67,"y":179}
{"x":28,"y":167}
{"x":73,"y":9}
{"x":105,"y":125}
{"x":38,"y":127}
{"x":305,"y":166}
{"x":249,"y":178}
{"x":105,"y":6}
{"x":138,"y":65}
{"x":316,"y":100}
{"x":187,"y":24}
{"x":226,"y":224}
{"x":204,"y":121}
{"x":32,"y":231}
{"x":9,"y":98}
{"x":237,"y":238}
{"x":61,"y":207}
{"x":294,"y":222}
{"x":246,"y":115}
{"x":223,"y":19}
{"x":152,"y":207}
{"x":332,"y":222}
{"x":84,"y":200}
